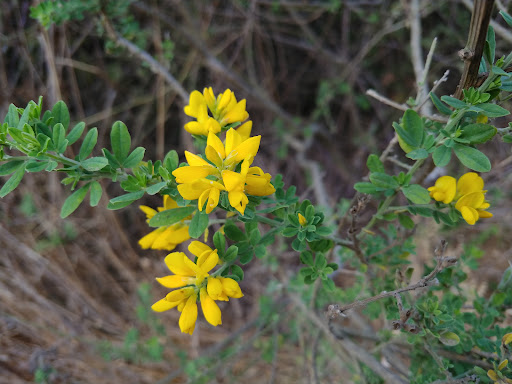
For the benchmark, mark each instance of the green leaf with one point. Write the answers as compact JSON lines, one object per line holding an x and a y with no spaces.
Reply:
{"x":13,"y":117}
{"x":374,"y":164}
{"x":365,"y":187}
{"x":417,"y":154}
{"x":237,"y":271}
{"x":155,"y":188}
{"x":323,"y":231}
{"x":442,"y":156}
{"x":453,"y":102}
{"x":75,"y":133}
{"x":472,"y":158}
{"x":478,"y":133}
{"x":320,"y":261}
{"x":16,"y":135}
{"x":254,"y":237}
{"x":406,"y":221}
{"x":412,"y":123}
{"x":171,"y":160}
{"x":416,"y":193}
{"x":231,"y":253}
{"x":411,"y":130}
{"x":449,"y":338}
{"x":120,"y":140}
{"x":306,"y":258}
{"x":219,"y":241}
{"x":198,"y":224}
{"x":10,"y":167}
{"x":114,"y":206}
{"x":506,"y":17}
{"x":13,"y":181}
{"x":132,"y":196}
{"x":328,"y":285}
{"x":498,"y":71}
{"x":134,"y":158}
{"x":36,"y":166}
{"x":383,"y":180}
{"x":94,"y":163}
{"x":111,"y":159}
{"x":490,"y":45}
{"x":73,"y":201}
{"x":171,"y":216}
{"x":88,"y":144}
{"x":441,"y":107}
{"x":233,"y":232}
{"x":95,"y":195}
{"x":490,"y":110}
{"x":26,"y":115}
{"x":60,"y":114}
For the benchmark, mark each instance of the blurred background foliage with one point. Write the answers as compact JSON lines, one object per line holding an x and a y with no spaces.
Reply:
{"x":75,"y":293}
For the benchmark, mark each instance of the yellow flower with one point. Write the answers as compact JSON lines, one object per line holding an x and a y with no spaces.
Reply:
{"x":224,"y":108}
{"x":444,"y":189}
{"x":472,"y":207}
{"x":302,"y":219}
{"x":468,"y":183}
{"x":497,"y":376}
{"x":469,"y":193}
{"x":507,"y":339}
{"x":165,"y":238}
{"x":257,"y":183}
{"x":193,"y":281}
{"x":224,"y":157}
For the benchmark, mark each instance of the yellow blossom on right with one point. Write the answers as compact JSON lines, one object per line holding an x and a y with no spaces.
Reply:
{"x":468,"y":193}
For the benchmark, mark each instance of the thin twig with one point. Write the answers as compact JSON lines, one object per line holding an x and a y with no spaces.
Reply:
{"x":401,"y":107}
{"x":427,"y":281}
{"x":154,"y":65}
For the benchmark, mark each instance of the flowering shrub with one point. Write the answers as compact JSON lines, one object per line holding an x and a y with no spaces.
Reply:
{"x":221,"y":185}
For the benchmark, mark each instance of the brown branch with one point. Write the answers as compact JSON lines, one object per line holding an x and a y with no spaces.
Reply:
{"x":472,"y":53}
{"x":335,"y":310}
{"x":154,"y":65}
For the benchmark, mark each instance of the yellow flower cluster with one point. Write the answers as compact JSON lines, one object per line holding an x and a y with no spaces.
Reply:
{"x":467,"y":191}
{"x":497,"y":376}
{"x":167,"y":237}
{"x":224,"y":108}
{"x":204,"y":180}
{"x":194,"y":281}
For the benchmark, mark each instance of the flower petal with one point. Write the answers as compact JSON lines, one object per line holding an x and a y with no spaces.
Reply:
{"x":214,"y":141}
{"x":189,"y":174}
{"x":231,"y":287}
{"x":163,"y":305}
{"x":469,"y":214}
{"x":468,"y":183}
{"x":195,"y":104}
{"x":210,"y":308}
{"x":214,"y":287}
{"x":195,"y":160}
{"x":148,"y":240}
{"x":150,"y":212}
{"x":175,"y":281}
{"x":245,"y":130}
{"x":247,"y":149}
{"x":473,"y":199}
{"x":177,"y":264}
{"x":208,"y":260}
{"x":188,"y":316}
{"x":197,"y":248}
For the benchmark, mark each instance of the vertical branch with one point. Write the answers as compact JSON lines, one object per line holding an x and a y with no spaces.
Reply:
{"x":472,"y":53}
